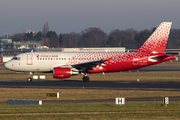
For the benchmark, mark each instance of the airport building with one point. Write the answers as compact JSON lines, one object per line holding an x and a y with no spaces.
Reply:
{"x":1,"y":52}
{"x":99,"y":49}
{"x":10,"y":48}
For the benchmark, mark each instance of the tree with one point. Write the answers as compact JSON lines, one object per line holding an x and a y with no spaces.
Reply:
{"x":122,"y":38}
{"x":53,"y":39}
{"x":29,"y":36}
{"x":17,"y":37}
{"x":46,"y":42}
{"x":93,"y":37}
{"x":142,"y":37}
{"x":174,"y":39}
{"x":38,"y":36}
{"x":69,"y":40}
{"x":114,"y":39}
{"x":45,"y":29}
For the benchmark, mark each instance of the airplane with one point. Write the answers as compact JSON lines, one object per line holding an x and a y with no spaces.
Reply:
{"x":67,"y":64}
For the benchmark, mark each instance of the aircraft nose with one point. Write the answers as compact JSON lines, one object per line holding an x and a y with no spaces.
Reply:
{"x":7,"y":65}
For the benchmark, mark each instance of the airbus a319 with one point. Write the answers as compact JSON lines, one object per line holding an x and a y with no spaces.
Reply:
{"x":67,"y":64}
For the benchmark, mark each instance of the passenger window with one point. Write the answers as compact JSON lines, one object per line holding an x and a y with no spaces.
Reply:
{"x":51,"y":59}
{"x":64,"y":58}
{"x":56,"y":58}
{"x":48,"y":58}
{"x":40,"y":58}
{"x":37,"y":58}
{"x":69,"y":58}
{"x":45,"y":58}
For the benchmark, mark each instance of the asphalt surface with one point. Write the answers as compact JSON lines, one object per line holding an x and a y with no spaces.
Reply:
{"x":110,"y":100}
{"x":113,"y":100}
{"x":68,"y":84}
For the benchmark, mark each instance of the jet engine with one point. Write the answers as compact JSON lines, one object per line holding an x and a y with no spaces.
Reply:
{"x":60,"y":72}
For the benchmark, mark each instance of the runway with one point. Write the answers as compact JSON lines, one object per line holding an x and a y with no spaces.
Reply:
{"x":72,"y":84}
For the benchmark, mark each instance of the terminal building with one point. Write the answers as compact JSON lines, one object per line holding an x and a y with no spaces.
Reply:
{"x":10,"y":49}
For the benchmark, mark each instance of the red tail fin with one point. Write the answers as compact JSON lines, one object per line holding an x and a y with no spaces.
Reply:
{"x":156,"y":43}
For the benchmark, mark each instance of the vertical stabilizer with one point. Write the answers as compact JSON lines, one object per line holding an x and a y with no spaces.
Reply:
{"x":156,"y":43}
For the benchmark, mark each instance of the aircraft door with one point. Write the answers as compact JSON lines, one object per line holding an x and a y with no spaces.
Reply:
{"x":29,"y":59}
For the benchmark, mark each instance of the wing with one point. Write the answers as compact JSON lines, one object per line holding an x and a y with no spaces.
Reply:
{"x":88,"y":65}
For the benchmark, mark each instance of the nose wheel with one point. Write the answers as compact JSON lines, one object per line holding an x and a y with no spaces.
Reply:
{"x":86,"y":79}
{"x":29,"y":79}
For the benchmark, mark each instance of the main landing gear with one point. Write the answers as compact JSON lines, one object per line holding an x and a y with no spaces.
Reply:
{"x":29,"y":79}
{"x":86,"y":79}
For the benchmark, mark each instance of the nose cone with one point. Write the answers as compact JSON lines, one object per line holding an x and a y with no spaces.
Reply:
{"x":7,"y":65}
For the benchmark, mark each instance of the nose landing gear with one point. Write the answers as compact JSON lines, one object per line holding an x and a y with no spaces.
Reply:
{"x":29,"y":79}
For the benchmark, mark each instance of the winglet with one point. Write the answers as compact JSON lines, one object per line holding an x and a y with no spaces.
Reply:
{"x":156,"y":43}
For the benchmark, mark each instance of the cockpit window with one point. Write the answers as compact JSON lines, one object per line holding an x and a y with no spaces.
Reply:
{"x":16,"y":58}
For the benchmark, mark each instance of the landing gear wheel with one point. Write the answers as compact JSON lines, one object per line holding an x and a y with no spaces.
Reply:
{"x":29,"y":79}
{"x":86,"y":79}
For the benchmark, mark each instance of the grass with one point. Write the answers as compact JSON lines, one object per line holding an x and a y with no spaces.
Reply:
{"x":94,"y":111}
{"x":79,"y":94}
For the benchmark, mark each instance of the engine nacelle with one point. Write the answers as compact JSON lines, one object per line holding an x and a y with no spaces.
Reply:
{"x":59,"y":72}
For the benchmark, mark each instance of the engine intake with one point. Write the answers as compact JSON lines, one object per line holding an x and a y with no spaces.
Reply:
{"x":59,"y":72}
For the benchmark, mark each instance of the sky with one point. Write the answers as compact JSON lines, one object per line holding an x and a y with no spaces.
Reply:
{"x":66,"y":16}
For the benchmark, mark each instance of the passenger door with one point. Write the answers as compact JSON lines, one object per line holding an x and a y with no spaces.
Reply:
{"x":29,"y":59}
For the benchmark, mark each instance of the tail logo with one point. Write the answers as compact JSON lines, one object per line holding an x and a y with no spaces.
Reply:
{"x":156,"y":43}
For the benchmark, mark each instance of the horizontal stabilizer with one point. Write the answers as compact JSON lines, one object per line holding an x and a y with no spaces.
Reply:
{"x":160,"y":57}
